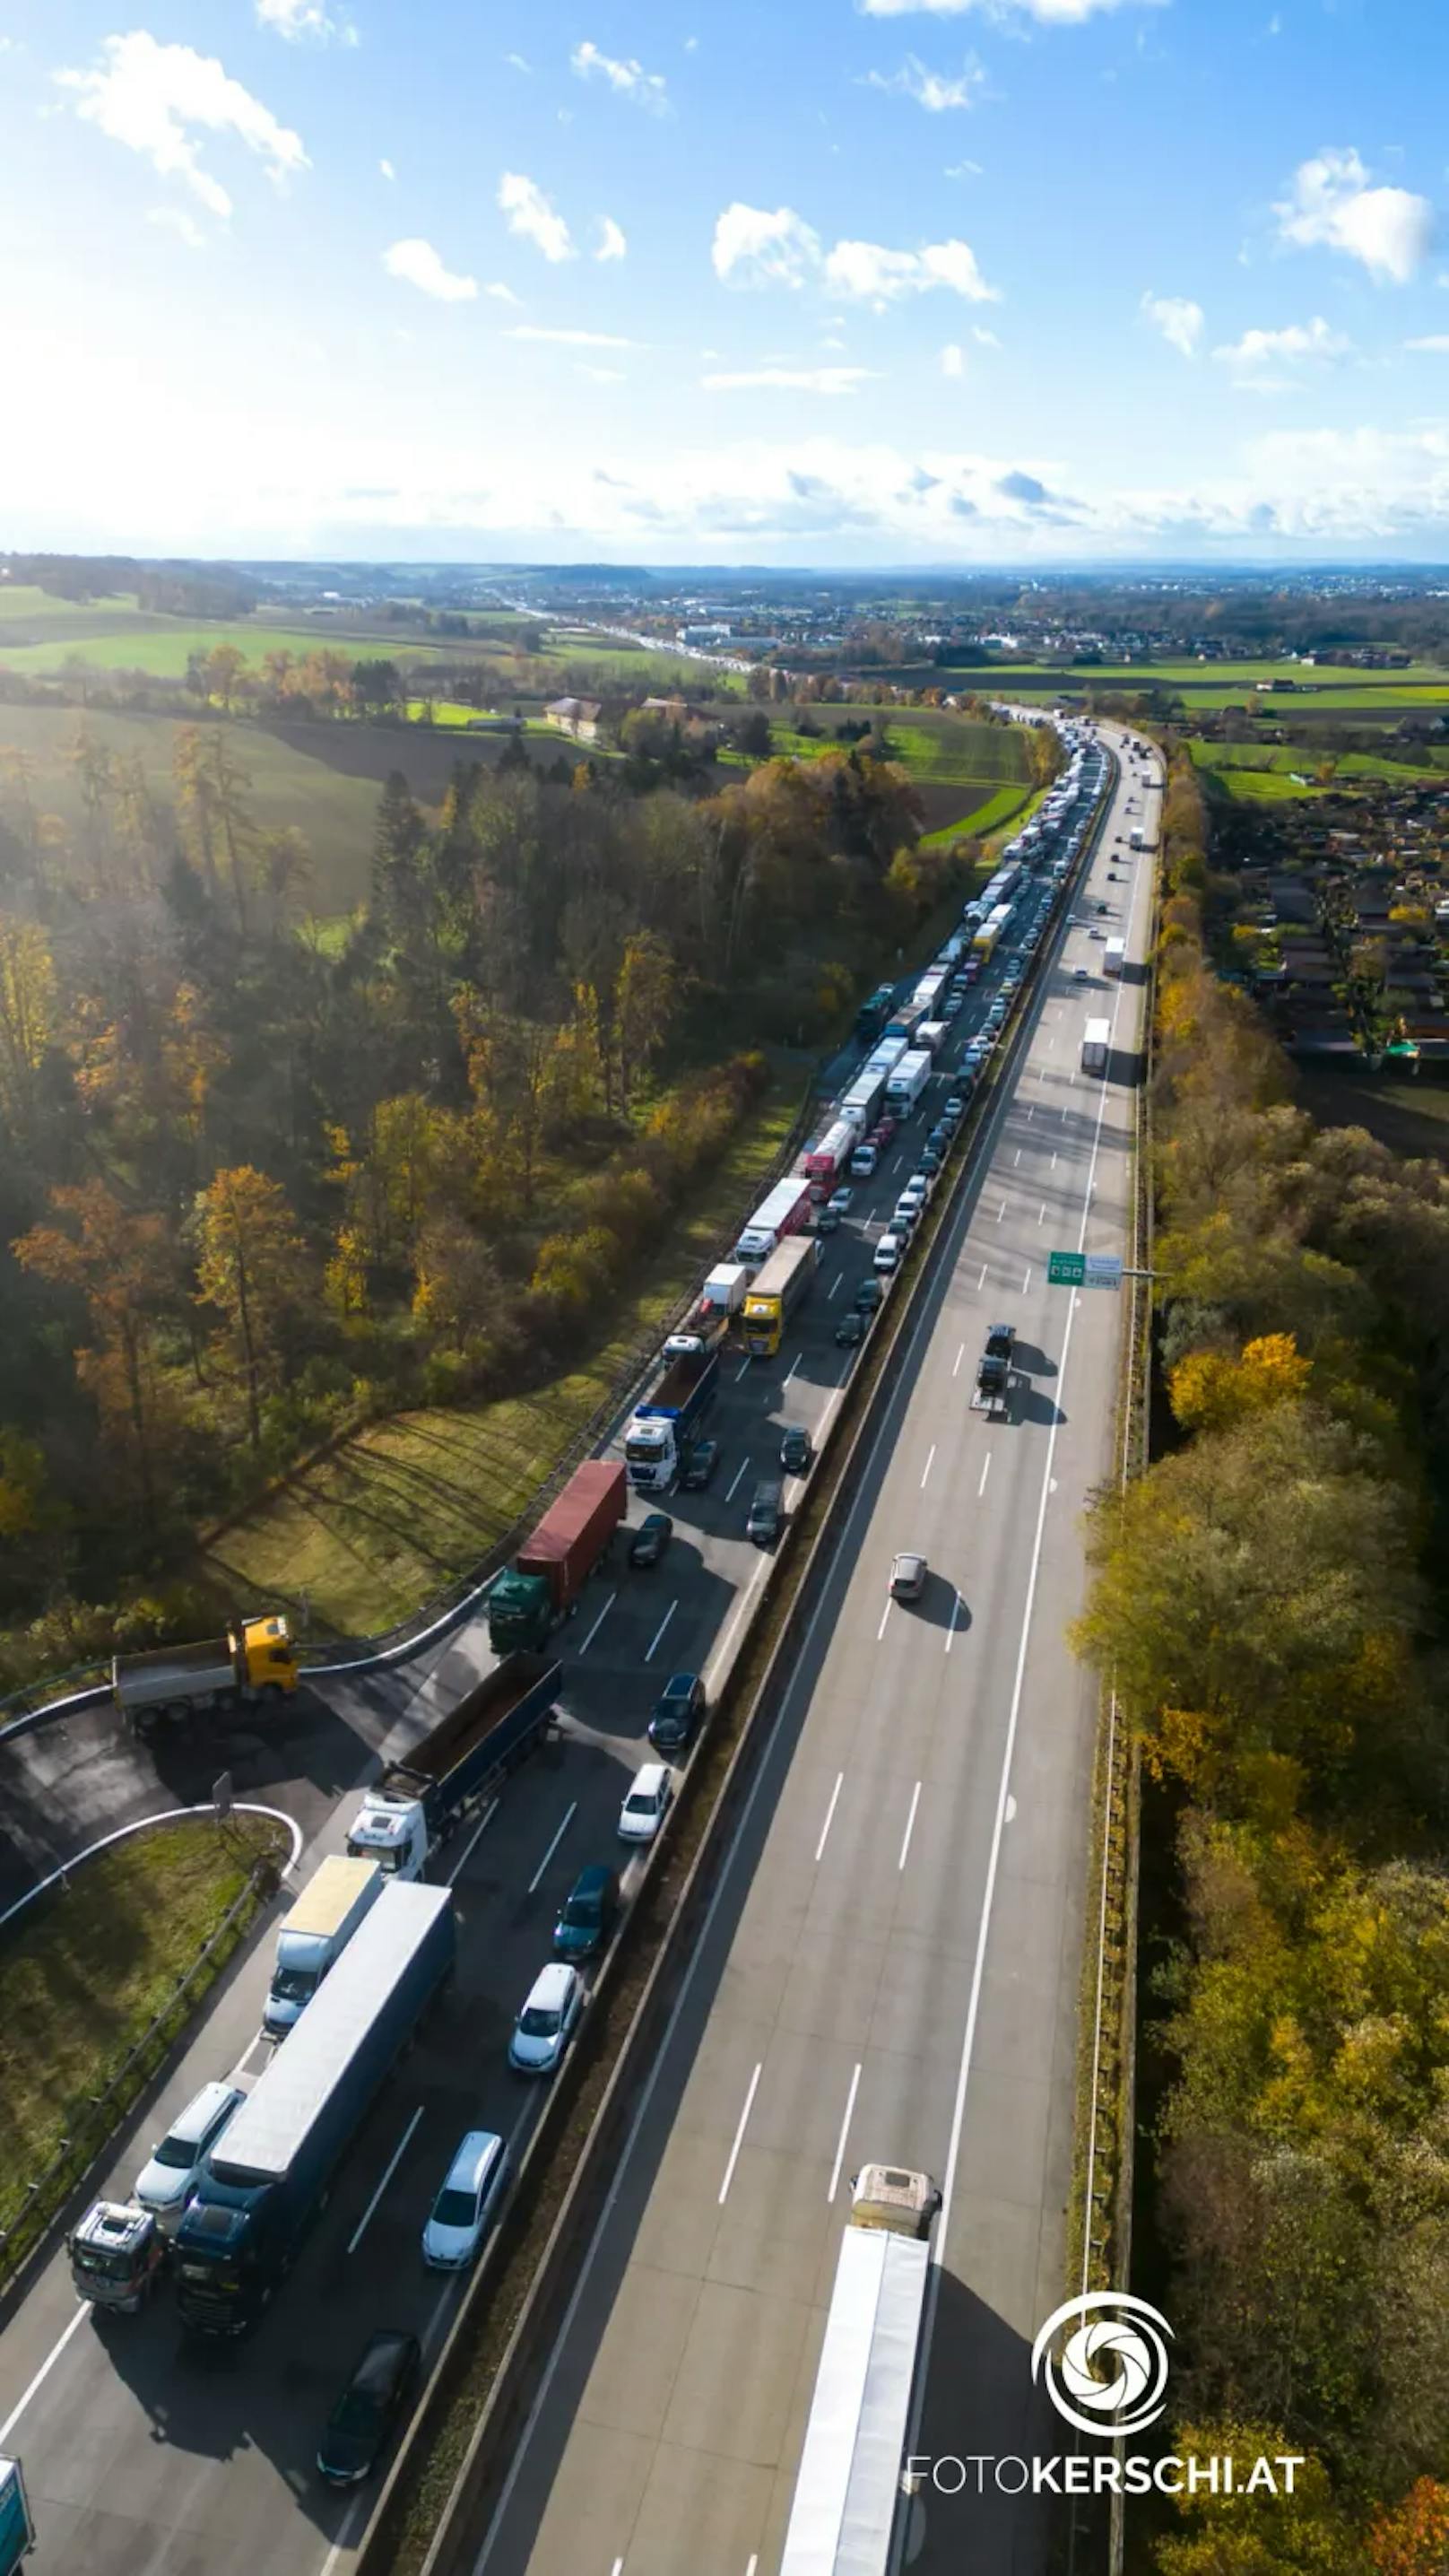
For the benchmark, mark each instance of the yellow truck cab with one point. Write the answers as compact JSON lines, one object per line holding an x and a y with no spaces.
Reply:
{"x":255,"y":1660}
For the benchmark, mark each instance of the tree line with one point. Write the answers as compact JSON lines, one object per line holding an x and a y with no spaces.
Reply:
{"x":1267,"y":1601}
{"x":263,"y":1178}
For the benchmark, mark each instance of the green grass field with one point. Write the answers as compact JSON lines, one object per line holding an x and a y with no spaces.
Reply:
{"x":335,"y":813}
{"x":938,"y":748}
{"x":376,"y":1529}
{"x":1137,"y":675}
{"x":1001,"y":809}
{"x":161,"y":646}
{"x":1265,"y":773}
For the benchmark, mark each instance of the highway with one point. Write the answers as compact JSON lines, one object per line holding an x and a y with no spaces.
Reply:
{"x":890,"y":1970}
{"x":926,"y":1786}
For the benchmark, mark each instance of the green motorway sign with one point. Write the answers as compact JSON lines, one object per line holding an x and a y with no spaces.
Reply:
{"x":1066,"y":1269}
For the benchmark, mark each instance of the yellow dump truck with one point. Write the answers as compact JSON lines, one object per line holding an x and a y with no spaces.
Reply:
{"x":255,"y":1660}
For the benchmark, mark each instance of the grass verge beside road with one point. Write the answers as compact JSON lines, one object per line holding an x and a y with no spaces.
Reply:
{"x":88,"y":1970}
{"x":370,"y":1533}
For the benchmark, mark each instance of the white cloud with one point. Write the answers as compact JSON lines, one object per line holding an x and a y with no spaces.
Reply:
{"x":387,"y":170}
{"x":755,"y":248}
{"x":527,"y":212}
{"x":175,"y":219}
{"x":502,"y":294}
{"x":1333,"y":207}
{"x":599,"y":375}
{"x":1048,"y":13}
{"x":1180,"y":321}
{"x":569,"y":339}
{"x":881,"y":276}
{"x":953,"y":359}
{"x":931,"y":90}
{"x":1259,"y":357}
{"x":799,"y":380}
{"x":964,"y":170}
{"x":612,"y":243}
{"x":1438,"y":341}
{"x":519,"y":62}
{"x":302,"y":21}
{"x":629,"y":79}
{"x":984,"y":339}
{"x":417,"y":264}
{"x":149,"y":96}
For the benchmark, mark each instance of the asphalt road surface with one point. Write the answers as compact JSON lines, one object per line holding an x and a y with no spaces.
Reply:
{"x":927,"y":1784}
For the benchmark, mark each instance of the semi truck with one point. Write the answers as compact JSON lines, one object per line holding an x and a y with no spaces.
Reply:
{"x":849,"y":2486}
{"x":984,"y":942}
{"x":712,"y":1313}
{"x":825,"y":1161}
{"x":543,"y":1584}
{"x":931,"y":1036}
{"x":1096,"y":1046}
{"x":316,"y":1932}
{"x":255,"y":1660}
{"x":117,"y":2253}
{"x":659,"y":1431}
{"x":905,"y":1021}
{"x":992,"y":1392}
{"x":785,"y":1211}
{"x":417,"y":1804}
{"x":787,"y":1278}
{"x":275,"y":2163}
{"x":908,"y":1082}
{"x":1114,"y":956}
{"x":872,"y":1016}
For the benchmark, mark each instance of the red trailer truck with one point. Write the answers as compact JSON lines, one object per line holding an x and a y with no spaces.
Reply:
{"x":550,"y":1570}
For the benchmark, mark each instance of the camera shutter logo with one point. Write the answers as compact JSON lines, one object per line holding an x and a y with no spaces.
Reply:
{"x":1110,"y":2376}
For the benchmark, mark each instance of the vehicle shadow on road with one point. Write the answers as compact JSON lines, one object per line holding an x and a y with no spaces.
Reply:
{"x":980,"y":2409}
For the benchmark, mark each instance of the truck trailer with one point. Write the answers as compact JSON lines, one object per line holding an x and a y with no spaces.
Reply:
{"x":849,"y":2485}
{"x":1096,"y":1046}
{"x":417,"y":1804}
{"x":1114,"y":956}
{"x":787,"y":1278}
{"x":543,"y":1584}
{"x":255,"y":1660}
{"x":824,"y":1162}
{"x":659,"y":1431}
{"x":314,"y":1935}
{"x":275,"y":2163}
{"x":908,"y":1082}
{"x":785,"y":1211}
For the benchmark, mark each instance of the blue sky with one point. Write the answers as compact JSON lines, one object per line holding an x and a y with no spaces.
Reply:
{"x":975,"y":282}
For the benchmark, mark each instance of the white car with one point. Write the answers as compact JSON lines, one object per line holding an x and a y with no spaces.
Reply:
{"x":862,"y":1162}
{"x":466,"y":2202}
{"x":168,"y":2180}
{"x":1081,"y":974}
{"x":546,"y":2024}
{"x":647,"y":1805}
{"x":887,"y":1254}
{"x":842,"y":1200}
{"x":907,"y":1212}
{"x":917,"y":1189}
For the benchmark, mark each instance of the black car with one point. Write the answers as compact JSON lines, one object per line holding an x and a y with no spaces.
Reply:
{"x":827,"y":1220}
{"x":699,"y":1466}
{"x":677,"y":1712}
{"x":651,"y":1538}
{"x":766,"y":1516}
{"x":850,"y":1331}
{"x":368,"y":2407}
{"x":586,"y":1916}
{"x":796,"y":1451}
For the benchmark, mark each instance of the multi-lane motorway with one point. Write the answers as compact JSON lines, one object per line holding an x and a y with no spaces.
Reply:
{"x":890,"y":1969}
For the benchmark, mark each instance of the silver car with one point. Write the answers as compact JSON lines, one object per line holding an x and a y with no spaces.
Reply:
{"x":167,"y":2181}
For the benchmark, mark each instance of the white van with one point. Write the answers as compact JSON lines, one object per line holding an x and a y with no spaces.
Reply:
{"x":862,"y":1162}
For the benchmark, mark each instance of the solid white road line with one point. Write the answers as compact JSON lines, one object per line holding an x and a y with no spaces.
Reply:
{"x":739,"y":1471}
{"x":985,"y":1472}
{"x":598,"y":1623}
{"x":572,"y":1811}
{"x":910,"y":1825}
{"x":830,"y":1813}
{"x":925,"y":1471}
{"x":729,"y":2171}
{"x":466,"y":1854}
{"x":840,"y":2143}
{"x":659,"y":1631}
{"x":399,"y":2151}
{"x":82,"y":2317}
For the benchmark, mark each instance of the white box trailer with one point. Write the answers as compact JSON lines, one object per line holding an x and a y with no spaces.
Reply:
{"x":1096,"y":1046}
{"x":849,"y":2483}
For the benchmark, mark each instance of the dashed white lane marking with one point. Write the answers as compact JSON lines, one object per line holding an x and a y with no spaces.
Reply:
{"x":739,"y":1471}
{"x":985,"y":1472}
{"x":840,"y":2146}
{"x":960,"y":1355}
{"x":598,"y":1623}
{"x":830,"y":1813}
{"x":466,"y":1854}
{"x":572,"y":1811}
{"x":729,"y":2172}
{"x":956,"y":1605}
{"x":910,"y":1825}
{"x":925,"y":1471}
{"x":659,"y":1631}
{"x":399,"y":2151}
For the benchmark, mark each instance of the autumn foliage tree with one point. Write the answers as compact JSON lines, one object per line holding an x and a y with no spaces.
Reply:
{"x":250,"y":1267}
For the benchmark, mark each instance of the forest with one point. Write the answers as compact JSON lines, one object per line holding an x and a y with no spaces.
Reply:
{"x":1269,"y":1600}
{"x":264,"y":1178}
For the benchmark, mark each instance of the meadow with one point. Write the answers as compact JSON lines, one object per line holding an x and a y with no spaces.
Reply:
{"x":1269,"y":773}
